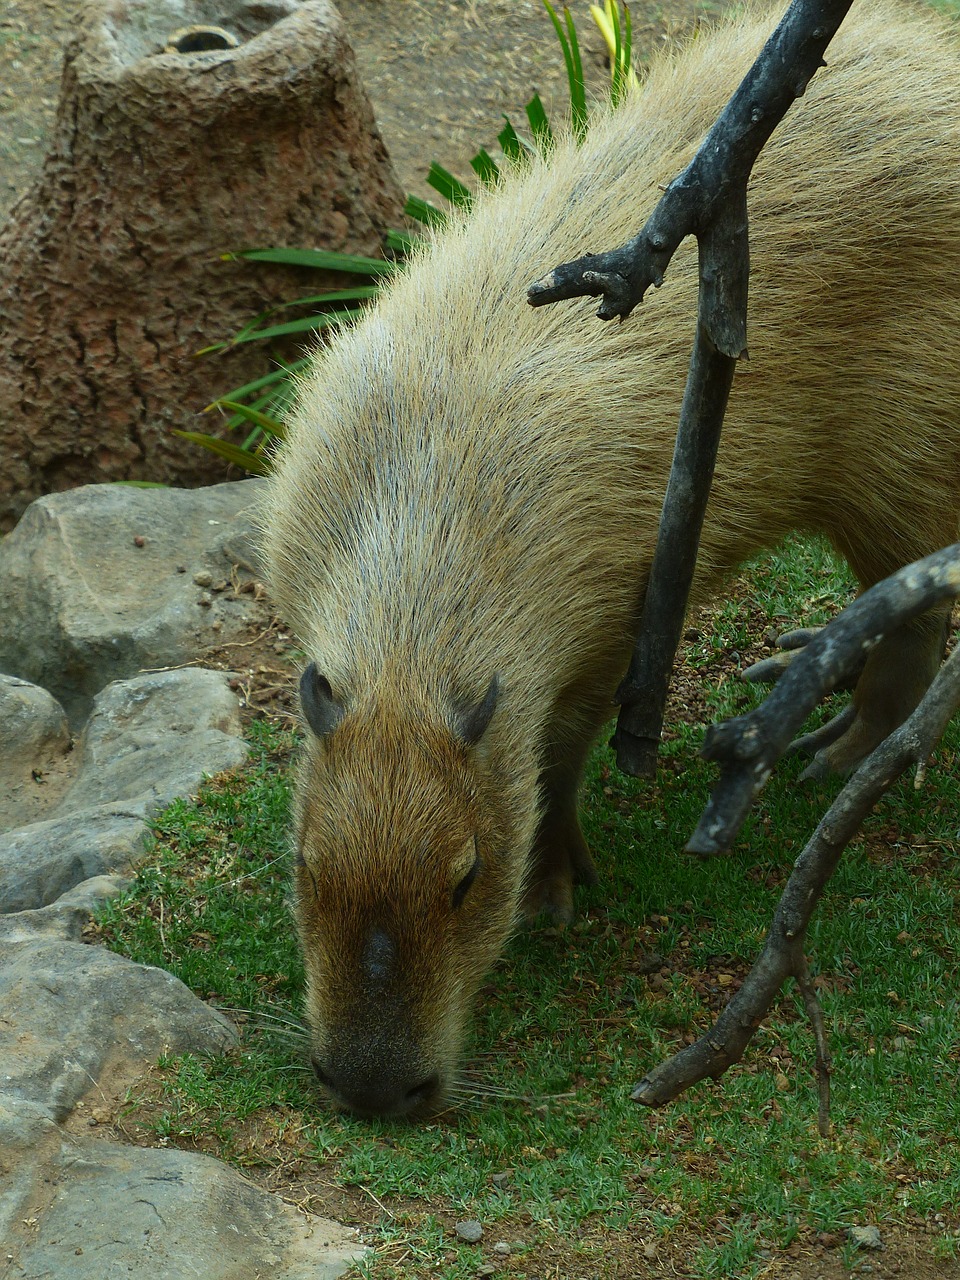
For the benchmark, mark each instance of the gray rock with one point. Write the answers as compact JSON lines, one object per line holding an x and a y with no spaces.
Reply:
{"x":149,"y":741}
{"x":34,"y":739}
{"x":67,"y":917}
{"x":471,"y":1231}
{"x":154,"y":738}
{"x":865,"y":1237}
{"x":42,"y":862}
{"x":70,"y":1010}
{"x":93,"y":591}
{"x":121,"y":1211}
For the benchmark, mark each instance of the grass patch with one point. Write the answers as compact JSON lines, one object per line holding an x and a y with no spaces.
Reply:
{"x":570,"y":1020}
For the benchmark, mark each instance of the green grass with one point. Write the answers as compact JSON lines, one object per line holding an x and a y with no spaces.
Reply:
{"x":573,"y":1021}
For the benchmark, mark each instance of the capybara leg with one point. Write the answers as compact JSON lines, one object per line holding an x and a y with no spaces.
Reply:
{"x":560,"y":858}
{"x":896,"y":676}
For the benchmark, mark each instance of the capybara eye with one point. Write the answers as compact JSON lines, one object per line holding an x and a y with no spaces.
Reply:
{"x":460,"y":892}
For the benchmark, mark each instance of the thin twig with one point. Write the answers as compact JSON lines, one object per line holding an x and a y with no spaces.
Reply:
{"x":747,"y":747}
{"x":782,"y":955}
{"x":824,"y":1061}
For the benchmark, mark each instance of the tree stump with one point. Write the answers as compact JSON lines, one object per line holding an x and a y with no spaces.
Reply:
{"x":185,"y":129}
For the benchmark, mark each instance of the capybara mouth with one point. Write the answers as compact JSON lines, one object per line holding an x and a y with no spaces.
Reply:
{"x":378,"y":1094}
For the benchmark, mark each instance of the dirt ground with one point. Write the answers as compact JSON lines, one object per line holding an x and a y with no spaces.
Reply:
{"x":440,"y":74}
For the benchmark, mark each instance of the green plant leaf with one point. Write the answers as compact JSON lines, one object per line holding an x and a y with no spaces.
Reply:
{"x":358,"y":293}
{"x":510,"y":142}
{"x":277,"y":375}
{"x":272,"y":426}
{"x":320,"y":259}
{"x":249,"y":460}
{"x":486,"y":168}
{"x":539,"y":125}
{"x":401,"y":242}
{"x":571,"y":56}
{"x":450,"y":187}
{"x":320,"y":320}
{"x":425,"y":212}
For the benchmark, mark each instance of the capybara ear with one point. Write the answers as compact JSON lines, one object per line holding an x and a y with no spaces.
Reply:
{"x":323,"y":712}
{"x":470,"y":720}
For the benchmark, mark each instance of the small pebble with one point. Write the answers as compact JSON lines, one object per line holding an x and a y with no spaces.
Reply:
{"x":502,"y":1178}
{"x":204,"y":601}
{"x":203,"y":579}
{"x":865,"y":1237}
{"x":139,"y":540}
{"x":470,"y":1231}
{"x":501,"y":1247}
{"x":487,"y":1269}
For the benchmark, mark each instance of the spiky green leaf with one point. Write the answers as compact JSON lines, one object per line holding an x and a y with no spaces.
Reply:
{"x":539,"y":125}
{"x":450,"y":187}
{"x":486,"y":168}
{"x":425,"y":212}
{"x":319,"y":259}
{"x":250,"y":460}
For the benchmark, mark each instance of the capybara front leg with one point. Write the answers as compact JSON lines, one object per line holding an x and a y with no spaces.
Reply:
{"x":560,"y":858}
{"x":895,"y":677}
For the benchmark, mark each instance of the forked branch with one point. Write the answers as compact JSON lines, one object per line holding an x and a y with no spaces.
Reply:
{"x":747,"y":747}
{"x":708,"y":200}
{"x":782,"y":955}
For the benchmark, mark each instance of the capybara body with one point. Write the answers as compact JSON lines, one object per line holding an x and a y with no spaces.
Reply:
{"x":461,"y":523}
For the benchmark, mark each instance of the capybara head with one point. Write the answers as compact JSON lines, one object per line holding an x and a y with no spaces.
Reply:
{"x":406,"y":888}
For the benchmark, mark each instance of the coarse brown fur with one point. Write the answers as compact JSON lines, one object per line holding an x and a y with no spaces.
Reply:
{"x":471,"y":489}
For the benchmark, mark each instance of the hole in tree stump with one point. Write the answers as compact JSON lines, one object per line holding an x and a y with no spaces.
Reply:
{"x":200,"y":39}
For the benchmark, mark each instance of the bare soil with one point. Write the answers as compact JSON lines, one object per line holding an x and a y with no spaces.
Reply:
{"x":440,"y":73}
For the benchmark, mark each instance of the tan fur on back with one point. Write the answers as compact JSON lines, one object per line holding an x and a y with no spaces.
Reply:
{"x":480,"y":493}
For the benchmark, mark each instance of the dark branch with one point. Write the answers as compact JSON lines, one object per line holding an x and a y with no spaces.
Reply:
{"x":720,"y":170}
{"x":782,"y":955}
{"x":709,"y":200}
{"x":748,"y":746}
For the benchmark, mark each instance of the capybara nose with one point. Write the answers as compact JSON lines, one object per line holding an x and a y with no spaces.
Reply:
{"x":378,"y":1093}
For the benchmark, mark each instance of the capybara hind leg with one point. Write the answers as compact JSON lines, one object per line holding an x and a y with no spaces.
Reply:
{"x":560,"y":858}
{"x":896,"y":676}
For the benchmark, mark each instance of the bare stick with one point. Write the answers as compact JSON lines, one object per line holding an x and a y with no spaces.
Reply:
{"x":747,"y":747}
{"x":782,"y":955}
{"x":709,"y":200}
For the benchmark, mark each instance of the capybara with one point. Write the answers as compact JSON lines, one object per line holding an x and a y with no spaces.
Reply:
{"x":461,"y":522}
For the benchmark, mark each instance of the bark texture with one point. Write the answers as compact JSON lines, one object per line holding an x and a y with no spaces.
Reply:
{"x":111,"y":277}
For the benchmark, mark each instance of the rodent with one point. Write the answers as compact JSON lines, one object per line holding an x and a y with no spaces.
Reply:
{"x":460,"y":524}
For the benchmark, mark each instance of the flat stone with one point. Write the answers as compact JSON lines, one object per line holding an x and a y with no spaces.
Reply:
{"x":67,"y":917}
{"x":70,"y":1011}
{"x":865,"y":1237}
{"x":34,"y":740}
{"x":92,"y":591}
{"x":154,"y":738}
{"x":166,"y":1215}
{"x":149,"y":741}
{"x":42,"y":862}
